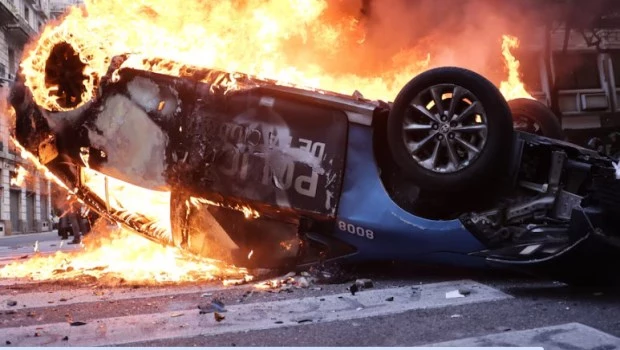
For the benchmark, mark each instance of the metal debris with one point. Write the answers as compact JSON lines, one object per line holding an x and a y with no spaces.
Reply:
{"x":218,"y":317}
{"x":390,"y":299}
{"x":278,"y":322}
{"x":304,"y":320}
{"x":364,"y":283}
{"x":77,"y":323}
{"x":214,"y":306}
{"x":11,"y":303}
{"x":454,"y":294}
{"x":178,"y":314}
{"x":353,"y":289}
{"x":287,"y":283}
{"x":303,"y":282}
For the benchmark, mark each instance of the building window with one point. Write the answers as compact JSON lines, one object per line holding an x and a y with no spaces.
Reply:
{"x":2,"y":70}
{"x":615,"y":62}
{"x":26,"y":13}
{"x":576,"y":70}
{"x":11,"y":63}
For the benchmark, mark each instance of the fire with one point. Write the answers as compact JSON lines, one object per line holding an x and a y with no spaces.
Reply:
{"x":283,"y":40}
{"x":248,"y":212}
{"x":114,"y":254}
{"x":128,"y":198}
{"x":20,"y":177}
{"x":512,"y":88}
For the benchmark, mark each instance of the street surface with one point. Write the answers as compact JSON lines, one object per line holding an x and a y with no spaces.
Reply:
{"x":406,"y":306}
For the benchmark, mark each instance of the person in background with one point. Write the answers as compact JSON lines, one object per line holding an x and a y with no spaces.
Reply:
{"x":77,"y":224}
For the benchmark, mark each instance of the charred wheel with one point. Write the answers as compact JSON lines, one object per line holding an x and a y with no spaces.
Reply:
{"x":64,"y":70}
{"x":534,"y":117}
{"x":450,"y":130}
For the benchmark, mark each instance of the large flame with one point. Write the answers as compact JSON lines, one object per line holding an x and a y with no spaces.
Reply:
{"x":513,"y":87}
{"x":114,"y":254}
{"x":284,"y":40}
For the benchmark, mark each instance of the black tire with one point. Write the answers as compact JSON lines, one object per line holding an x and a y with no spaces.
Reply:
{"x":539,"y":119}
{"x":492,"y":160}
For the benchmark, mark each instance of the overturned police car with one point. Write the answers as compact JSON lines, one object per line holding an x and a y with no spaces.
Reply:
{"x":440,"y":175}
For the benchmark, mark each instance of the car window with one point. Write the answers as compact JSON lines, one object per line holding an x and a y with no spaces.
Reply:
{"x":576,"y":70}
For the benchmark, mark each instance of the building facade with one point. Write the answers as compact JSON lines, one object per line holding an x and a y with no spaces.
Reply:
{"x":25,"y":206}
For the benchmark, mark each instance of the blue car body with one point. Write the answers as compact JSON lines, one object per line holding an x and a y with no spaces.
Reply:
{"x":397,"y":234}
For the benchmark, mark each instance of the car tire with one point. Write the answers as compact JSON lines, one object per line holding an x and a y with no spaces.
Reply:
{"x":480,"y":117}
{"x":537,"y":118}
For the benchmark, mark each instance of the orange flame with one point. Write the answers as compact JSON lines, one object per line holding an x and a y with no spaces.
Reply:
{"x":20,"y":177}
{"x":513,"y":87}
{"x":284,"y":40}
{"x":114,"y":254}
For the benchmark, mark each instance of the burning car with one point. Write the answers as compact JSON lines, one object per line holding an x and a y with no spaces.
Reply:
{"x":262,"y":174}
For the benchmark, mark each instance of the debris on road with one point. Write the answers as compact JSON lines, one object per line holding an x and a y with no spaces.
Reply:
{"x":353,"y":289}
{"x":364,"y":283}
{"x":11,"y":303}
{"x":287,"y":283}
{"x":304,"y":320}
{"x":206,"y":295}
{"x":8,"y":342}
{"x":454,"y":294}
{"x":65,"y":338}
{"x":390,"y":299}
{"x":214,"y":306}
{"x":456,"y":316}
{"x":77,"y":323}
{"x":178,"y":314}
{"x":218,"y":317}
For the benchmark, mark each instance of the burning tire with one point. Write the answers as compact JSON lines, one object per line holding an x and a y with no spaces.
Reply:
{"x":534,"y":117}
{"x":64,"y":71}
{"x":448,"y":130}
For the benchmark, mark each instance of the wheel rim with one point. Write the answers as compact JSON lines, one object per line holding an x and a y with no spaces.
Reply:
{"x":445,"y":128}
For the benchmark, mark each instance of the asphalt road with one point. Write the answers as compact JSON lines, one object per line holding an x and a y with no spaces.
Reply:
{"x":406,"y":306}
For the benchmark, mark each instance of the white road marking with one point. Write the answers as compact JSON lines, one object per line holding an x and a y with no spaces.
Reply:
{"x":255,"y":316}
{"x":573,"y":336}
{"x":77,"y":296}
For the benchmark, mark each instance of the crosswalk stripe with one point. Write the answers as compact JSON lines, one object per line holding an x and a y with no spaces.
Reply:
{"x":255,"y":316}
{"x":574,"y":336}
{"x":77,"y":296}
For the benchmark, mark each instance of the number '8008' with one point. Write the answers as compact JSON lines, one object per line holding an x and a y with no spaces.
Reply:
{"x":356,"y":230}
